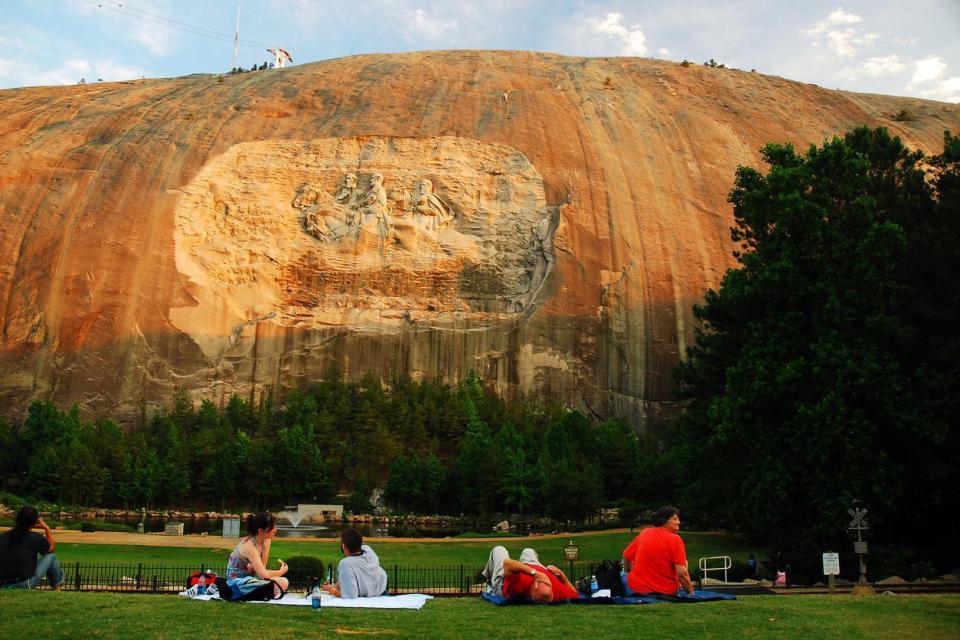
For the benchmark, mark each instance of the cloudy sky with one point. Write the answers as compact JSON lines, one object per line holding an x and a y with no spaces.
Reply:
{"x":878,"y":46}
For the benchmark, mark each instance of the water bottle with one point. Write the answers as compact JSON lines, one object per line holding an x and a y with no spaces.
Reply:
{"x":315,"y":593}
{"x":594,"y":587}
{"x":202,"y":584}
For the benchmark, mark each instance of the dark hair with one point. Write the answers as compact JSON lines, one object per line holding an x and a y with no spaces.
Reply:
{"x":351,"y":539}
{"x":26,"y":518}
{"x":257,"y":521}
{"x":663,"y":514}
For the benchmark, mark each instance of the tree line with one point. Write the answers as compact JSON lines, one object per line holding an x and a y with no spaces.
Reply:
{"x":431,"y":447}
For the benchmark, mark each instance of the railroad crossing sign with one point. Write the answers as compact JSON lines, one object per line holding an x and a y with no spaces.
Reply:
{"x":859,"y":522}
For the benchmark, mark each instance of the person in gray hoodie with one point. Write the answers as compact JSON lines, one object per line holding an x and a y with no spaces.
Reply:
{"x":360,"y":574}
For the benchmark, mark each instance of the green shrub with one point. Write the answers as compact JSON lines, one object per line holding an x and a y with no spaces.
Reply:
{"x":87,"y":527}
{"x":904,"y":115}
{"x":685,"y":63}
{"x":302,"y":570}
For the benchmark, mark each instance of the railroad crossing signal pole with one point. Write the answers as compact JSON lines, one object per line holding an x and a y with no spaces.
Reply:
{"x":859,"y":524}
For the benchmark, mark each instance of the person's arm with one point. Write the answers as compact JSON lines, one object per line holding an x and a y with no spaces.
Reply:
{"x":561,"y":576}
{"x":332,"y":589}
{"x":514,"y":567}
{"x":257,"y":566}
{"x":48,"y":532}
{"x":684,"y":577}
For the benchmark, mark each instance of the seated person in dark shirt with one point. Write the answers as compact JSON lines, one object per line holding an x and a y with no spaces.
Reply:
{"x":19,"y":548}
{"x":506,"y":577}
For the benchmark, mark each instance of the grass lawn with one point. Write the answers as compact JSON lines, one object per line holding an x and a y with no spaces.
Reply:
{"x":45,"y":614}
{"x":594,"y":546}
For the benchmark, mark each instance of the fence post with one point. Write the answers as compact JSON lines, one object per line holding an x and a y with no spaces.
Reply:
{"x":156,"y":586}
{"x":396,"y":578}
{"x":76,"y":578}
{"x":139,"y":574}
{"x":462,"y":583}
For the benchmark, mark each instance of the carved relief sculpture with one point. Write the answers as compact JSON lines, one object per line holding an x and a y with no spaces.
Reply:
{"x":371,"y":249}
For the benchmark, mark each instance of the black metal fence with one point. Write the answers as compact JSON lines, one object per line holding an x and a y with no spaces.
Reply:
{"x":443,"y":580}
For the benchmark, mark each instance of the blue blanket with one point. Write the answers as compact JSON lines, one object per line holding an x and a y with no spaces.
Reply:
{"x":653,"y":598}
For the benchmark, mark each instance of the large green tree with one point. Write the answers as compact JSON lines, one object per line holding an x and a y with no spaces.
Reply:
{"x":826,"y":367}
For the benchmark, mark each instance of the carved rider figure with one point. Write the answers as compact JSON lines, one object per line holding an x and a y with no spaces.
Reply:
{"x":347,"y":197}
{"x":374,"y":205}
{"x":432,"y":212}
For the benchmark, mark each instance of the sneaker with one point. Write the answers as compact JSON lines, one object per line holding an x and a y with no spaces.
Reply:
{"x":192,"y":592}
{"x":213,"y":591}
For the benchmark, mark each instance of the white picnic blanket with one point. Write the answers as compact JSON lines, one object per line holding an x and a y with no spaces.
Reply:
{"x":405,"y":601}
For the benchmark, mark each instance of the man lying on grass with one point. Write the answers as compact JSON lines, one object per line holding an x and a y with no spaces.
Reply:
{"x":527,"y":577}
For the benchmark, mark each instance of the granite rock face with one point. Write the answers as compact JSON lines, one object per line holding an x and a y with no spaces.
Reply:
{"x":545,"y":221}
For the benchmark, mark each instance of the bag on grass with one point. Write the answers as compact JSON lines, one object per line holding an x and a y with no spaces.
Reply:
{"x":208,"y":576}
{"x":608,"y":577}
{"x":247,"y":589}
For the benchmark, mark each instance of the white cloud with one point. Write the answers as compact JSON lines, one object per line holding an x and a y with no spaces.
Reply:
{"x":157,"y":38}
{"x":841,"y":38}
{"x":842,"y":17}
{"x":929,"y":82}
{"x":69,"y":72}
{"x":663,"y":51}
{"x":424,"y":27}
{"x":927,"y":70}
{"x":876,"y":67}
{"x":631,"y":40}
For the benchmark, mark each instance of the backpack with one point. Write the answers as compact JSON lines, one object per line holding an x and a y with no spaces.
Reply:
{"x":608,"y":577}
{"x":194,"y":578}
{"x":263,"y":592}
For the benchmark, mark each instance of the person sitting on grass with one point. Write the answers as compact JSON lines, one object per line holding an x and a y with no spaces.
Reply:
{"x":247,"y":566}
{"x":19,"y":548}
{"x":657,"y":559}
{"x":526,"y":577}
{"x":359,"y":573}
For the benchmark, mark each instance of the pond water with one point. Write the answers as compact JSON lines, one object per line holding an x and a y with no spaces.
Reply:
{"x":214,"y":526}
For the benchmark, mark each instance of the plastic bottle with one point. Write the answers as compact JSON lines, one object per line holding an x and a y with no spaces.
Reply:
{"x":594,"y":587}
{"x":314,"y":586}
{"x":202,"y":584}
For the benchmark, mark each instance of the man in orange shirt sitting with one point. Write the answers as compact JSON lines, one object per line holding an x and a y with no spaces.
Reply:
{"x":506,"y":577}
{"x":657,"y":559}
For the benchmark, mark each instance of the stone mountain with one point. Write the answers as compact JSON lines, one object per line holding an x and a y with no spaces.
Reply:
{"x":547,"y":222}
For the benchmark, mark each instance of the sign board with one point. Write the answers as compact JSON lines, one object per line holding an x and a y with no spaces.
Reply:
{"x":859,"y":521}
{"x":860,"y":546}
{"x":831,"y":564}
{"x":571,"y":552}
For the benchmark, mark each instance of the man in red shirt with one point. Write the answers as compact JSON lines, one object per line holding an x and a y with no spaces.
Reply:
{"x":657,"y":559}
{"x":507,"y":577}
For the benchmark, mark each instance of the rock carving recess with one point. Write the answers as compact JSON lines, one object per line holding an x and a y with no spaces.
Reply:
{"x":367,"y":233}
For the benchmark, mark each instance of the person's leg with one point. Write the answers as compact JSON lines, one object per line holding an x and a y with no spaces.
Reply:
{"x":493,"y":572}
{"x":49,"y":567}
{"x":627,"y":591}
{"x":530,"y":556}
{"x":281,"y":583}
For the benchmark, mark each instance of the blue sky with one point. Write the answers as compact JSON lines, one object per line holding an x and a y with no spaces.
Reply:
{"x":879,"y":46}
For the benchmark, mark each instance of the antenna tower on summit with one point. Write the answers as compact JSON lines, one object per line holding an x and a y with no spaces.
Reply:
{"x":236,"y":38}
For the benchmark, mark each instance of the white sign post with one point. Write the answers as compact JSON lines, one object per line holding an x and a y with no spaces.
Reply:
{"x":831,"y":568}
